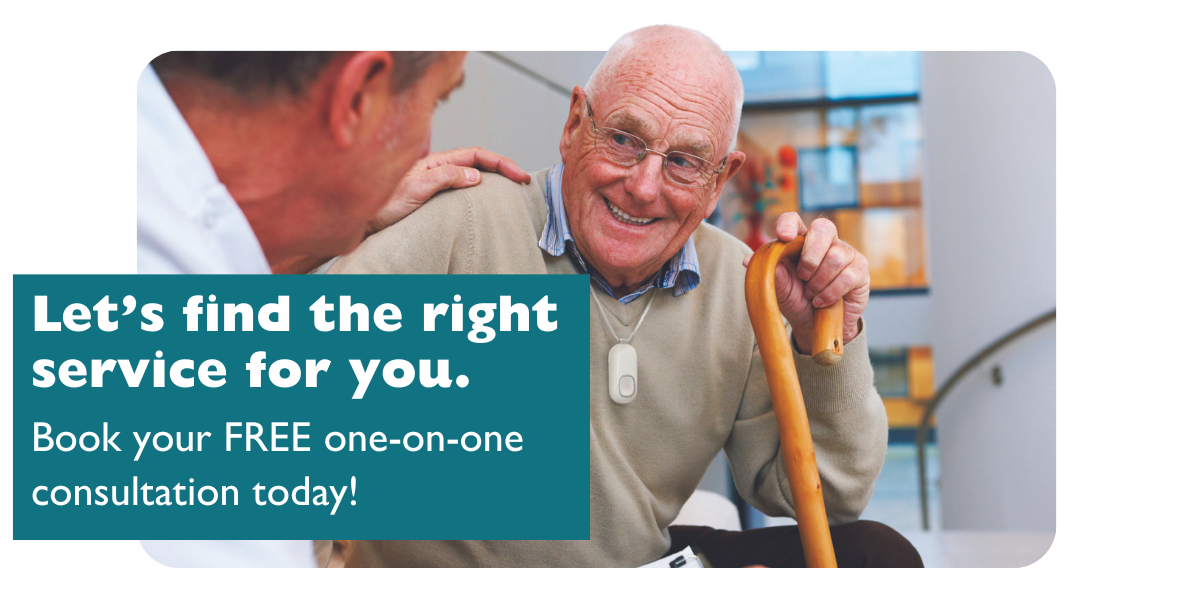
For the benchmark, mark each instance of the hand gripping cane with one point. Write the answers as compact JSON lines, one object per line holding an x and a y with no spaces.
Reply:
{"x":827,"y":346}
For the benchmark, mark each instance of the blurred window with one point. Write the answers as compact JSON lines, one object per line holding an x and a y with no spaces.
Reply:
{"x":794,"y":76}
{"x":837,"y":134}
{"x":870,"y":74}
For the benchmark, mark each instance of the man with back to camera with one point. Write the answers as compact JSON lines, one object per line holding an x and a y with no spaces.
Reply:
{"x":253,"y":162}
{"x":645,"y":151}
{"x":260,"y":162}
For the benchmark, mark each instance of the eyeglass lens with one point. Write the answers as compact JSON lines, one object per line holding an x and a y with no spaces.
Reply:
{"x":625,"y":149}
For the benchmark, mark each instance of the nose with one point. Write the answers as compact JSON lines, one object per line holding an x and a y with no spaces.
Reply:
{"x":644,"y":184}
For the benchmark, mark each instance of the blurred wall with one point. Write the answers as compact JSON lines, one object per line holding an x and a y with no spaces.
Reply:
{"x":990,"y":134}
{"x":513,"y":103}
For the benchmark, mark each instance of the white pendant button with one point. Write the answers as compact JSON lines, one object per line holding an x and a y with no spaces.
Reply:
{"x":622,"y":373}
{"x":627,"y":386}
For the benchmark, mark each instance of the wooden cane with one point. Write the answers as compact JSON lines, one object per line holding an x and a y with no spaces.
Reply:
{"x":827,"y":346}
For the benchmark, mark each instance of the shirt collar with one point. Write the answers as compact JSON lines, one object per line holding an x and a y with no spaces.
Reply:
{"x":681,"y":272}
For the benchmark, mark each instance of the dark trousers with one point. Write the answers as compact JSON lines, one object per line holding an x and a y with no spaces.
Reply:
{"x":857,"y":544}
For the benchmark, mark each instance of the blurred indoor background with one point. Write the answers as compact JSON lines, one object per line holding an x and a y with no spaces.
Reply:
{"x":940,"y":168}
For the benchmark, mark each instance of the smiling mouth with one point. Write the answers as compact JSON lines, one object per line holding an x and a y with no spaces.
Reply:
{"x":623,"y":217}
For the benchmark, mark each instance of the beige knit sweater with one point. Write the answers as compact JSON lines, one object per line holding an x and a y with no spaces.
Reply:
{"x":701,"y":389}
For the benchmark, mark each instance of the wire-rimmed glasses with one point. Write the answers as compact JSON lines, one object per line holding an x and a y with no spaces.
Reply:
{"x":627,"y":150}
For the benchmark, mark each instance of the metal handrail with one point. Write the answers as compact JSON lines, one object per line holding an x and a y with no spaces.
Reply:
{"x":961,"y":372}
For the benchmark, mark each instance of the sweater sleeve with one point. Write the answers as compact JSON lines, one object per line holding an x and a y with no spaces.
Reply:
{"x":848,"y":426}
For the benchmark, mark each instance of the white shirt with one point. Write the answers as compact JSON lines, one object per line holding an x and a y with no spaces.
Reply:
{"x":188,"y":223}
{"x":186,"y":220}
{"x":231,"y":553}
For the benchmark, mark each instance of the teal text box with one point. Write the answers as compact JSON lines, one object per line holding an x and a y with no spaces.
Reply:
{"x":533,"y":383}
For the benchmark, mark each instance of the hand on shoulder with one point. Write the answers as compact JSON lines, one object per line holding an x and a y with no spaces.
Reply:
{"x":440,"y":171}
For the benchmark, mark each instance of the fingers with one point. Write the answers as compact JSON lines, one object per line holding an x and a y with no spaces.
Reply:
{"x":852,"y":284}
{"x":479,"y":158}
{"x":420,"y":187}
{"x":490,"y":161}
{"x":815,"y":247}
{"x":788,"y":291}
{"x":839,"y":255}
{"x":853,"y":277}
{"x":416,"y":188}
{"x":789,"y":226}
{"x":798,"y":312}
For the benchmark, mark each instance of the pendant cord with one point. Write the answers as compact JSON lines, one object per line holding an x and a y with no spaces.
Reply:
{"x":607,"y":320}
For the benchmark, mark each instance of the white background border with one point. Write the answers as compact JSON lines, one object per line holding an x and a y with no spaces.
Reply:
{"x":67,"y":155}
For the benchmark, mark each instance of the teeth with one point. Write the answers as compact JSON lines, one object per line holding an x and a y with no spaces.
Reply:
{"x":624,"y":217}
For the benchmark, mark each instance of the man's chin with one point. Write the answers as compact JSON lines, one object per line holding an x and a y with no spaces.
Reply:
{"x":628,"y":269}
{"x":617,"y":251}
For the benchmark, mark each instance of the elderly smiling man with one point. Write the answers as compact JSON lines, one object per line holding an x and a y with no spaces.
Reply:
{"x":644,"y":153}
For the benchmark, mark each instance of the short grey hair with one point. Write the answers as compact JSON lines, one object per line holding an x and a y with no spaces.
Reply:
{"x":253,"y":74}
{"x":619,"y":52}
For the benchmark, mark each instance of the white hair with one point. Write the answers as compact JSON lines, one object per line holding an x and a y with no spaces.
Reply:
{"x":620,"y":52}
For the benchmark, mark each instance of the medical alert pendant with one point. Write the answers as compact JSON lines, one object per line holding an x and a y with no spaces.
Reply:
{"x":622,"y":373}
{"x":622,"y":367}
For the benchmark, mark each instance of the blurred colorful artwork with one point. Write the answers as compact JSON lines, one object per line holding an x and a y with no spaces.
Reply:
{"x":859,"y":166}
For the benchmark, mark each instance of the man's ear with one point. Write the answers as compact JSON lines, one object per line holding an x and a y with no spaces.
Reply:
{"x":736,"y":159}
{"x":573,"y":123}
{"x":358,"y":92}
{"x":732,"y":166}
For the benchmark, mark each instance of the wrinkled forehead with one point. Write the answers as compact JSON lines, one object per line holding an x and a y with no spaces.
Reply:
{"x":688,"y":103}
{"x":684,"y":137}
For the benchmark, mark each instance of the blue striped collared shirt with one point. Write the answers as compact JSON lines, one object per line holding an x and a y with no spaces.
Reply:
{"x":681,"y":272}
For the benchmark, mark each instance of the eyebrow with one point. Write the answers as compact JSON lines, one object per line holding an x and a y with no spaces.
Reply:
{"x":701,"y":149}
{"x":631,"y":123}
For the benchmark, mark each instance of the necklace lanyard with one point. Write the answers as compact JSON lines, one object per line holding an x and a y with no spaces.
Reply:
{"x":622,"y":362}
{"x":607,"y":320}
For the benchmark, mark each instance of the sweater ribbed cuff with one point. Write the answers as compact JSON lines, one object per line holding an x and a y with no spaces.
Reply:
{"x":833,"y":389}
